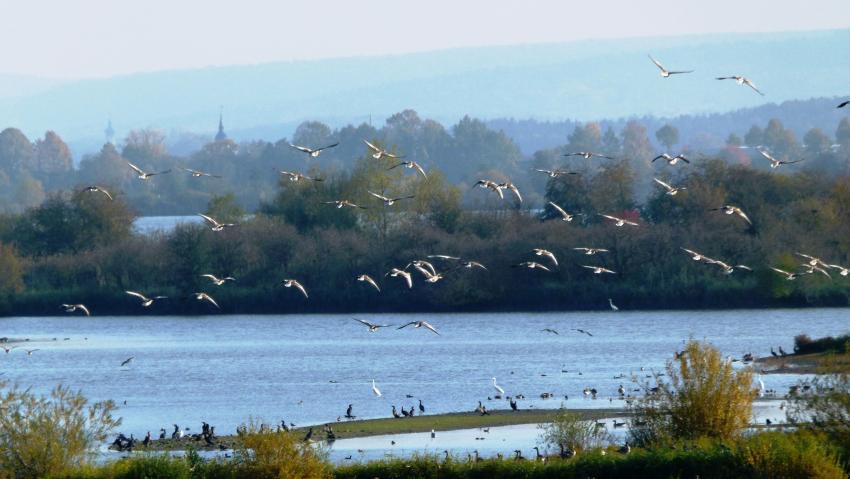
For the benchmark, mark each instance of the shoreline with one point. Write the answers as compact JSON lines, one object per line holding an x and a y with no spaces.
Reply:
{"x":813,"y":363}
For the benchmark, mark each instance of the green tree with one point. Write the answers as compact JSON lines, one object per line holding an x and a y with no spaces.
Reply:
{"x":842,"y":135}
{"x":146,"y":144}
{"x":225,"y":208}
{"x":29,"y":192}
{"x":734,"y":141}
{"x":816,"y":142}
{"x":569,"y":432}
{"x":780,"y":141}
{"x":585,"y":138}
{"x":610,"y":143}
{"x":16,"y":151}
{"x":636,"y":144}
{"x":754,"y":137}
{"x":668,"y":135}
{"x":12,"y":279}
{"x":52,"y":155}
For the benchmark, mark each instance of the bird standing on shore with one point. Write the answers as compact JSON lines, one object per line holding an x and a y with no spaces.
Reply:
{"x":375,"y":390}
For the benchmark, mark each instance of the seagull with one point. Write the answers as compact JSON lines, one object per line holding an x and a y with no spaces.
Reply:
{"x":206,"y":297}
{"x":291,"y":283}
{"x":789,"y":276}
{"x":730,"y":210}
{"x":497,"y":387}
{"x":588,"y":155}
{"x":547,"y":253}
{"x":390,"y":201}
{"x":343,"y":203}
{"x":420,"y":324}
{"x":613,"y":306}
{"x":375,"y":390}
{"x":670,"y":189}
{"x":743,"y":81}
{"x":671,"y":160}
{"x":215,"y":225}
{"x":395,"y":272}
{"x":218,"y":281}
{"x":510,"y":186}
{"x":598,"y":269}
{"x":843,"y":104}
{"x":696,"y":256}
{"x":582,"y":331}
{"x":464,"y":262}
{"x":372,"y":326}
{"x":666,"y":73}
{"x":410,"y":165}
{"x":564,"y":215}
{"x":70,"y":308}
{"x":774,"y":163}
{"x":555,"y":173}
{"x":810,"y":269}
{"x":728,"y":269}
{"x":146,"y":302}
{"x":198,"y":174}
{"x":8,"y":350}
{"x":843,"y":271}
{"x":127,"y":361}
{"x":295,"y":176}
{"x":368,"y":279}
{"x":531,"y":265}
{"x":379,"y":153}
{"x":549,"y":330}
{"x":427,"y":269}
{"x":314,"y":153}
{"x":145,"y":176}
{"x":100,"y":189}
{"x":491,"y":185}
{"x":812,"y":260}
{"x":591,"y":251}
{"x":619,"y":221}
{"x":30,"y":351}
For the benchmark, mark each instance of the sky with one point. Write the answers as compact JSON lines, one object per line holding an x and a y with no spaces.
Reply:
{"x":101,"y":38}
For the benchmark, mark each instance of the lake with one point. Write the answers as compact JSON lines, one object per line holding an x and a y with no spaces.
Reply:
{"x":307,"y":369}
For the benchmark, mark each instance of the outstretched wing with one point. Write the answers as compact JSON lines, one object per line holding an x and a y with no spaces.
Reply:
{"x":135,"y":168}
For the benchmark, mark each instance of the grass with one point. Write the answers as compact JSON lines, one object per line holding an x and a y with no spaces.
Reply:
{"x":812,"y":363}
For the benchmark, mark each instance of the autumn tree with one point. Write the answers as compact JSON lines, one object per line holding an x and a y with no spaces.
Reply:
{"x":16,"y":151}
{"x":52,"y":155}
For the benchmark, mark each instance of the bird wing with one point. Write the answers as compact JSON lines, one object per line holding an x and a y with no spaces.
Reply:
{"x":538,"y":265}
{"x":516,"y":192}
{"x":792,"y":162}
{"x":408,"y":278}
{"x":552,"y":256}
{"x":392,"y":155}
{"x":589,"y":267}
{"x":682,"y":157}
{"x":724,"y":78}
{"x":371,"y":281}
{"x":679,"y":72}
{"x":84,"y":308}
{"x":476,"y":263}
{"x":559,"y":210}
{"x":367,"y":323}
{"x":657,"y":64}
{"x":743,"y":215}
{"x":406,"y":325}
{"x":372,"y":146}
{"x":665,"y":185}
{"x":301,"y":148}
{"x":766,"y":155}
{"x":136,"y":168}
{"x":209,"y":220}
{"x":138,"y":295}
{"x":430,"y":328}
{"x":210,"y":276}
{"x":326,"y":147}
{"x":442,"y":256}
{"x":396,"y":166}
{"x":548,"y":172}
{"x":780,"y":271}
{"x":206,"y":297}
{"x":751,"y":85}
{"x":419,"y":167}
{"x":843,"y":104}
{"x":380,"y":197}
{"x":614,"y":218}
{"x":658,"y":158}
{"x":300,"y":288}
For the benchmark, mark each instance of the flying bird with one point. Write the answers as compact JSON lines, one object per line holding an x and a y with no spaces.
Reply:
{"x":207,"y":298}
{"x":98,"y":189}
{"x":313,"y":152}
{"x":410,"y":165}
{"x":843,"y":271}
{"x":549,"y":330}
{"x":599,"y":269}
{"x":215,"y":225}
{"x":146,"y":302}
{"x":71,"y":308}
{"x":591,"y":251}
{"x":556,"y":173}
{"x":666,"y":73}
{"x":30,"y":351}
{"x":531,"y":265}
{"x":812,"y":260}
{"x":743,"y":81}
{"x":390,"y":201}
{"x":564,"y":215}
{"x":378,"y":153}
{"x":490,"y":185}
{"x":420,"y":324}
{"x":368,"y":279}
{"x":588,"y":155}
{"x":733,"y":210}
{"x":291,"y":283}
{"x":295,"y":176}
{"x":343,"y":203}
{"x":582,"y":331}
{"x":843,"y":104}
{"x":547,"y":253}
{"x":216,"y":280}
{"x":788,"y":275}
{"x":619,"y":221}
{"x":145,"y":176}
{"x":199,"y":174}
{"x":510,"y":186}
{"x":671,"y":160}
{"x":408,"y":278}
{"x":670,"y":189}
{"x":696,"y":256}
{"x":372,"y":326}
{"x":774,"y":163}
{"x":127,"y":361}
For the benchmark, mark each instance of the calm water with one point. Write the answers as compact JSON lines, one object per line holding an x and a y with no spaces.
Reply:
{"x":147,"y":225}
{"x":307,"y":369}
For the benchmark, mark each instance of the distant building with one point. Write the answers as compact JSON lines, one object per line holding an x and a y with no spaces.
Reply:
{"x":221,"y":135}
{"x":109,"y":133}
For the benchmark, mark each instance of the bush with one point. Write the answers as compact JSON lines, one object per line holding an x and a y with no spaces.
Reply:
{"x":569,"y":432}
{"x":45,"y":436}
{"x":271,"y":454}
{"x":705,"y":397}
{"x":777,"y":455}
{"x":803,"y":344}
{"x":823,"y":404}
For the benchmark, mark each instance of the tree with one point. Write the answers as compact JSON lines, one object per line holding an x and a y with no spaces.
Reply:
{"x":11,"y":281}
{"x":636,"y":144}
{"x":29,"y":192}
{"x":146,"y":144}
{"x":610,"y":143}
{"x":585,"y":138}
{"x":816,"y":142}
{"x":569,"y":432}
{"x":754,"y":137}
{"x":734,"y":141}
{"x":224,"y":208}
{"x":52,"y":155}
{"x":15,"y":151}
{"x":842,"y":135}
{"x":668,"y":136}
{"x":780,"y":141}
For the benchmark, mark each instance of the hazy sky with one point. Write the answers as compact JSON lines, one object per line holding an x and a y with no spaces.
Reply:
{"x":95,"y":38}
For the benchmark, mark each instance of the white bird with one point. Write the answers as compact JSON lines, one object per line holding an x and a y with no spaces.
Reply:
{"x":379,"y":153}
{"x":671,"y":160}
{"x":843,"y":271}
{"x":613,"y":306}
{"x":343,"y":203}
{"x":30,"y":351}
{"x":531,"y":265}
{"x":295,"y":176}
{"x":812,"y":260}
{"x":588,"y":155}
{"x":70,"y":308}
{"x":547,"y":253}
{"x":368,"y":279}
{"x":743,"y":81}
{"x":291,"y":283}
{"x":372,"y":326}
{"x":216,"y":280}
{"x":198,"y":173}
{"x":564,"y":215}
{"x":591,"y":251}
{"x":490,"y":185}
{"x":146,"y":302}
{"x":510,"y":186}
{"x":598,"y":269}
{"x":761,"y":388}
{"x":788,"y":275}
{"x":810,"y":269}
{"x":408,"y":278}
{"x":497,"y":387}
{"x":670,"y":189}
{"x":313,"y":152}
{"x":666,"y":73}
{"x":410,"y":165}
{"x":390,"y":201}
{"x":420,"y":324}
{"x":696,"y":256}
{"x":555,"y":173}
{"x":215,"y":225}
{"x":145,"y":176}
{"x":733,"y":210}
{"x":375,"y":390}
{"x":619,"y":221}
{"x":774,"y":163}
{"x":727,"y":268}
{"x":206,"y":297}
{"x":100,"y":189}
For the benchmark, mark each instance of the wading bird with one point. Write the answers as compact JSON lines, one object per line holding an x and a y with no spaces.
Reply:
{"x":146,"y":302}
{"x":410,"y":165}
{"x":774,"y":163}
{"x":313,"y":153}
{"x":671,"y":190}
{"x":199,"y":174}
{"x":99,"y":189}
{"x":215,"y":225}
{"x":368,"y":279}
{"x":666,"y":73}
{"x":291,"y":283}
{"x":71,"y":308}
{"x":743,"y":81}
{"x":612,"y":305}
{"x":145,"y":176}
{"x":619,"y":221}
{"x":497,"y":387}
{"x":373,"y":328}
{"x":420,"y":324}
{"x":390,"y":201}
{"x":218,"y":281}
{"x":378,"y":153}
{"x":375,"y":390}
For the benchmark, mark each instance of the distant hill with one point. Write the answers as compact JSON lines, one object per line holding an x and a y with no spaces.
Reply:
{"x":580,"y":80}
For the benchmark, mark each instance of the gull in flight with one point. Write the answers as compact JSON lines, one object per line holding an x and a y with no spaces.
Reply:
{"x":145,"y":176}
{"x":464,"y":263}
{"x":424,"y":267}
{"x":410,"y":165}
{"x":788,"y":275}
{"x":497,"y":387}
{"x":99,"y":189}
{"x":582,"y":331}
{"x":666,"y":73}
{"x":591,"y":251}
{"x":556,"y":173}
{"x":619,"y":221}
{"x":510,"y":186}
{"x":146,"y":302}
{"x":598,"y":269}
{"x":314,"y":153}
{"x":564,"y":215}
{"x":774,"y":163}
{"x":343,"y":203}
{"x":199,"y":174}
{"x":671,"y":160}
{"x":71,"y":308}
{"x":30,"y":351}
{"x":531,"y":265}
{"x":843,"y":104}
{"x":491,"y":185}
{"x":843,"y":271}
{"x":547,"y":253}
{"x":727,"y":268}
{"x":743,"y":81}
{"x":291,"y":283}
{"x":390,"y":201}
{"x":368,"y":279}
{"x":127,"y":361}
{"x":588,"y":155}
{"x":696,"y":256}
{"x":215,"y":225}
{"x":420,"y":324}
{"x":733,"y":210}
{"x":612,"y":305}
{"x":670,"y":189}
{"x":375,"y":390}
{"x":812,"y":260}
{"x":295,"y":176}
{"x":216,"y":280}
{"x":206,"y":297}
{"x":549,"y":330}
{"x":408,"y":278}
{"x":8,"y":350}
{"x":373,"y":328}
{"x":379,"y":153}
{"x":810,"y":269}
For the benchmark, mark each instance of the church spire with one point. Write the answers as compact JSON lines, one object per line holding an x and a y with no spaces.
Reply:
{"x":109,"y":132}
{"x":221,"y":135}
